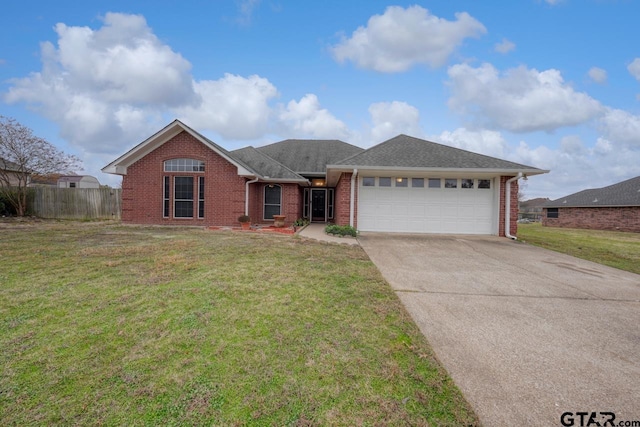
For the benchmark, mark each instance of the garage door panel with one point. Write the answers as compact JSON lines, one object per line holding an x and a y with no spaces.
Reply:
{"x":426,"y":210}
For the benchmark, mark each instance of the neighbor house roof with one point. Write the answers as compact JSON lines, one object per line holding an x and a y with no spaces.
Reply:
{"x":70,"y":178}
{"x":309,"y":157}
{"x":625,"y":193}
{"x":408,"y":152}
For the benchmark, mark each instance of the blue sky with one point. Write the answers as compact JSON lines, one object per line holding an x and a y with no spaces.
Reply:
{"x":553,"y":84}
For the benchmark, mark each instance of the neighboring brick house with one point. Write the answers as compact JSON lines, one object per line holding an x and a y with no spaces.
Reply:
{"x":532,"y":209}
{"x":616,"y":207}
{"x":405,"y":184}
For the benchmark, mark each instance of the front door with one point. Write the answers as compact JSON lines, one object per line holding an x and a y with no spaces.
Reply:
{"x":319,"y":204}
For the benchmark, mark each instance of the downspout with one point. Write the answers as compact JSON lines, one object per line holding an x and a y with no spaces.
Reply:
{"x":352,"y":201}
{"x":246,"y":195}
{"x":507,"y":207}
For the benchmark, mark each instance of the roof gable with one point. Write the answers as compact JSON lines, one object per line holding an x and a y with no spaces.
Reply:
{"x":120,"y":165}
{"x":625,"y":193}
{"x":309,"y":157}
{"x":405,"y":151}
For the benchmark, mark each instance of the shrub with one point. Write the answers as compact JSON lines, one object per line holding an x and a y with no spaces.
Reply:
{"x":244,"y":218}
{"x":341,"y":230}
{"x":301,"y":222}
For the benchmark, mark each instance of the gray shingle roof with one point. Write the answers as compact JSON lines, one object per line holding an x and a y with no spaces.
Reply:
{"x":406,"y":151}
{"x":309,"y":157}
{"x":625,"y":193}
{"x":264,"y":165}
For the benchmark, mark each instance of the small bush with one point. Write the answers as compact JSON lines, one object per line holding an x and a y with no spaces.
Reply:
{"x":244,"y":218}
{"x":6,"y":208}
{"x":341,"y":230}
{"x":301,"y":222}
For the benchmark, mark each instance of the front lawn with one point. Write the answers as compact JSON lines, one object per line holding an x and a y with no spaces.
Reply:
{"x":102,"y":324}
{"x":613,"y":248}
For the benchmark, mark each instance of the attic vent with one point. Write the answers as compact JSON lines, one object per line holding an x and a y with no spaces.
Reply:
{"x":564,"y":201}
{"x":595,"y":200}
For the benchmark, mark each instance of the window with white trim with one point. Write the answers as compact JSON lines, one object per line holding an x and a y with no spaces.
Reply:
{"x":417,"y":182}
{"x":272,"y":200}
{"x":165,"y":197}
{"x":183,"y":196}
{"x":183,"y":165}
{"x":484,"y":183}
{"x":201,"y":197}
{"x":384,"y":181}
{"x":330,"y":203}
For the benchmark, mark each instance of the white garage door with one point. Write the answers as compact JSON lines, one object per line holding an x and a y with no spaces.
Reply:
{"x":426,"y":205}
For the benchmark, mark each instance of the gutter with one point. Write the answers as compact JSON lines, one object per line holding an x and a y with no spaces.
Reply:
{"x":353,"y":195}
{"x":246,"y":195}
{"x":507,"y":207}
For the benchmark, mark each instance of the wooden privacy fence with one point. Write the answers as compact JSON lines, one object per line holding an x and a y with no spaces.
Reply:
{"x":76,"y":203}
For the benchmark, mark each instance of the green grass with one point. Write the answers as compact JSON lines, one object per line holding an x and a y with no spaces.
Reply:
{"x":102,"y":324}
{"x":612,"y":248}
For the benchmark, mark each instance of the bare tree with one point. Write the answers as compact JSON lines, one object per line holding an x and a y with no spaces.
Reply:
{"x":22,"y":154}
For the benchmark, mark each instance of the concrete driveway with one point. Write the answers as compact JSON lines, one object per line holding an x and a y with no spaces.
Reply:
{"x":526,"y":333}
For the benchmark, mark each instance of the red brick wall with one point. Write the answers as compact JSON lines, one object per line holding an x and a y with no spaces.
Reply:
{"x":513,"y":225}
{"x":142,"y":187}
{"x":618,"y":218}
{"x":342,"y":201}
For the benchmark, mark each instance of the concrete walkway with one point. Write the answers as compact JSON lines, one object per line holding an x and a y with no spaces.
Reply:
{"x":316,"y":232}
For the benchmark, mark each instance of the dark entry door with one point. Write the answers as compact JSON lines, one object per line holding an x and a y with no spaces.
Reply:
{"x":319,"y":205}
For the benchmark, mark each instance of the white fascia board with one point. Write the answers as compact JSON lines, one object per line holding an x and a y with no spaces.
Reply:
{"x":458,"y":171}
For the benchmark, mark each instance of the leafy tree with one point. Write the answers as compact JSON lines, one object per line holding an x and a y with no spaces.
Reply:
{"x":22,"y":154}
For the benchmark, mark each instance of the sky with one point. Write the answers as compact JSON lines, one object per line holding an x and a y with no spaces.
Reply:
{"x":553,"y":84}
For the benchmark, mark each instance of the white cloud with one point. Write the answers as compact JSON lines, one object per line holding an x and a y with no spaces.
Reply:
{"x":401,"y":38}
{"x":483,"y":141}
{"x":621,"y":127}
{"x":105,"y":88}
{"x":306,"y":119}
{"x":505,"y":46}
{"x":233,"y":106}
{"x":519,"y":100}
{"x":245,"y":9}
{"x":598,"y":75}
{"x":553,"y":2}
{"x":390,"y":119}
{"x":634,"y":68}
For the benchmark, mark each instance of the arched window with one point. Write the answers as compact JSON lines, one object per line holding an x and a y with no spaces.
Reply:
{"x":272,"y":200}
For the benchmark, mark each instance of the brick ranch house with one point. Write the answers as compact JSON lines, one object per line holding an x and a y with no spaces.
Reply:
{"x":405,"y":184}
{"x":616,"y":207}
